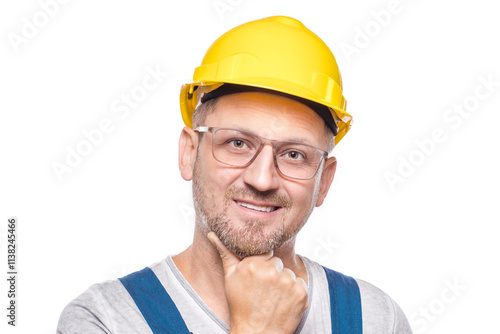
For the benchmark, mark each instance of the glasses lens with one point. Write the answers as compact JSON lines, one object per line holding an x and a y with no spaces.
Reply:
{"x":298,"y":160}
{"x":234,"y":147}
{"x":238,"y":148}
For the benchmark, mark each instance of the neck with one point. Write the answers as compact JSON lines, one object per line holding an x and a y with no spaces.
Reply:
{"x":201,"y":266}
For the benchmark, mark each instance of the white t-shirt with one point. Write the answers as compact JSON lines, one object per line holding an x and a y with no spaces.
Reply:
{"x":108,"y":308}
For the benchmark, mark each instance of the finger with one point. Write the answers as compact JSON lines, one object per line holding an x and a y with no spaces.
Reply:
{"x":229,"y":260}
{"x":277,"y":263}
{"x":303,"y":283}
{"x":289,"y":272}
{"x":267,"y":256}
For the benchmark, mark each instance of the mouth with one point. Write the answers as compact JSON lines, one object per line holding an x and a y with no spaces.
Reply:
{"x":255,"y":207}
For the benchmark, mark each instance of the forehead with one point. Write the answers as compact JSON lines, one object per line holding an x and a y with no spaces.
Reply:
{"x":268,"y":115}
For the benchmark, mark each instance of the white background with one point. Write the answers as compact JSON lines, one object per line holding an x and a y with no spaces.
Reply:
{"x":125,"y":205}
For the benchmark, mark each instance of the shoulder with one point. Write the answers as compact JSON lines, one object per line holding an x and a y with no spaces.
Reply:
{"x":106,"y":307}
{"x":381,"y":314}
{"x":88,"y":313}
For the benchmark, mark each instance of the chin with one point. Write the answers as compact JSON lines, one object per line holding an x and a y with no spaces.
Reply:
{"x":251,"y":239}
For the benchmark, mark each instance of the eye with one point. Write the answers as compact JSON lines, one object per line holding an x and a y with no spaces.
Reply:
{"x":237,"y":143}
{"x":294,"y":155}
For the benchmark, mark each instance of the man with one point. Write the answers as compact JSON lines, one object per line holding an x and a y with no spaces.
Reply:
{"x":263,"y":111}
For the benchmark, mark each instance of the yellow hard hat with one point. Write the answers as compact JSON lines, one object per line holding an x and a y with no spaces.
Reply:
{"x":276,"y":53}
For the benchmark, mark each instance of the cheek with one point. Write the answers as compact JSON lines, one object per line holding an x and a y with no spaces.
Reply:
{"x":302,"y":195}
{"x":217,"y":178}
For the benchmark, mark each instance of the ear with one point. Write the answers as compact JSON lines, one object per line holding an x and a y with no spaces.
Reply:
{"x":188,"y":144}
{"x":326,"y":179}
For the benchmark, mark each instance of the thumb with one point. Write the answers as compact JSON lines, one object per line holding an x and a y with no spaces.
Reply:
{"x":229,"y":260}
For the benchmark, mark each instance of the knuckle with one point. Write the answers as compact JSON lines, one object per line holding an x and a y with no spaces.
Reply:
{"x":300,"y":292}
{"x":306,"y":303}
{"x":288,"y":281}
{"x":271,"y":274}
{"x":290,"y":273}
{"x":250,"y":266}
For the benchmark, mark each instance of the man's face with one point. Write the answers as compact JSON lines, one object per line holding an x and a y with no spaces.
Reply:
{"x":254,"y":209}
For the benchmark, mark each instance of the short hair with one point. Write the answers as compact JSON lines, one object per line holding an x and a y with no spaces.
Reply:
{"x":202,"y":111}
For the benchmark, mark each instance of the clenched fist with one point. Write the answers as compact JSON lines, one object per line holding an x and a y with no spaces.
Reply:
{"x":262,"y":296}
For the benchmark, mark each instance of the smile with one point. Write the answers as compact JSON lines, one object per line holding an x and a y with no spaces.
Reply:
{"x":257,"y":207}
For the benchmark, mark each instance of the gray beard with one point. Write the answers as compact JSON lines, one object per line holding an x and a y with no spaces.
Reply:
{"x":250,"y":239}
{"x":241,"y":241}
{"x":247,"y":240}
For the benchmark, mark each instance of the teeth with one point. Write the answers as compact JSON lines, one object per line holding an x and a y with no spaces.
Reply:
{"x":256,"y":207}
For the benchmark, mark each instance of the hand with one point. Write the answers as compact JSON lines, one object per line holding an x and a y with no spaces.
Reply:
{"x":262,"y":296}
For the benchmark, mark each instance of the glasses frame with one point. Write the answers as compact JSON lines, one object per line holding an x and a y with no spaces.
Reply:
{"x":263,"y":141}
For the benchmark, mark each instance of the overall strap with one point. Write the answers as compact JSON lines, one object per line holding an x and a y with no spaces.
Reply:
{"x":345,"y":303}
{"x":153,"y":301}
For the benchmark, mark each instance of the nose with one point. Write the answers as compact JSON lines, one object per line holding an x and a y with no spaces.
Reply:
{"x":262,"y":174}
